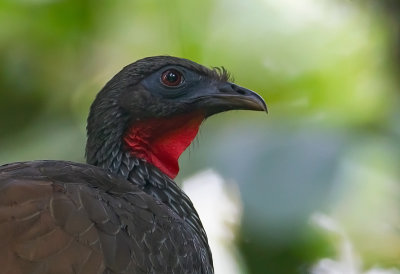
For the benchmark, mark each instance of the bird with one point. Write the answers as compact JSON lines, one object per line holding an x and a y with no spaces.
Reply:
{"x":121,"y":211}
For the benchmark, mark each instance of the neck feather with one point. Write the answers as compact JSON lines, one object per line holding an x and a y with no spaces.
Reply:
{"x":133,"y":153}
{"x":161,"y":141}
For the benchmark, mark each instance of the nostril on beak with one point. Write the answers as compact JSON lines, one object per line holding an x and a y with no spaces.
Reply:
{"x":232,"y":89}
{"x":238,"y":89}
{"x":226,"y":89}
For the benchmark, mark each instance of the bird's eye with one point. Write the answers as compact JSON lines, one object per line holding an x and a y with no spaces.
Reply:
{"x":171,"y":78}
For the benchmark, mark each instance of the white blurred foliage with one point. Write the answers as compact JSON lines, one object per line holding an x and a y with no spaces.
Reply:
{"x":298,"y":14}
{"x":219,"y":207}
{"x":347,"y":261}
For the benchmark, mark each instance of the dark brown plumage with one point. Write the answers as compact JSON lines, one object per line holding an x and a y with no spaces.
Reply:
{"x":120,"y":213}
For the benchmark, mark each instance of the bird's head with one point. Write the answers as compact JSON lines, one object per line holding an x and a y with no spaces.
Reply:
{"x":154,"y":107}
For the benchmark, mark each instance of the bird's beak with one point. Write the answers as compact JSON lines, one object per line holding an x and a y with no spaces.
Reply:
{"x":228,"y":96}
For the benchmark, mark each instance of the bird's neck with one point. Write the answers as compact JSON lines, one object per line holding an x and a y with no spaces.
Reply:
{"x":161,"y":141}
{"x":162,"y":188}
{"x":127,"y":154}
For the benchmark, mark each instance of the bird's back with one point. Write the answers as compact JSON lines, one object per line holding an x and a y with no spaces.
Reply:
{"x":63,"y":217}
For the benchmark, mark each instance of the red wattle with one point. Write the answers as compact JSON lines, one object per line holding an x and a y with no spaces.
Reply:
{"x":161,"y":141}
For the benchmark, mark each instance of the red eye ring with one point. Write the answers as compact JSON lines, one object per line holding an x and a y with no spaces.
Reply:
{"x":171,"y":78}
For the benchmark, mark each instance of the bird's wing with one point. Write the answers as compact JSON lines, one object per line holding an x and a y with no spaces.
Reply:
{"x":44,"y":227}
{"x":60,"y":217}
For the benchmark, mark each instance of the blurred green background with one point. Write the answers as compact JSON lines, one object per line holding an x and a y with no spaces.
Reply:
{"x":328,"y":70}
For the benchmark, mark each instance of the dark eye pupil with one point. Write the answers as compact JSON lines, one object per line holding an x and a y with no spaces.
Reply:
{"x":172,"y":77}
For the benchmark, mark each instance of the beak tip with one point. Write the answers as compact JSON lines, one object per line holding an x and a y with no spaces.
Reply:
{"x":263,"y":105}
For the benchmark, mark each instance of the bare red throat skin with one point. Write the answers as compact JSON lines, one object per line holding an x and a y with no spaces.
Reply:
{"x":161,"y":141}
